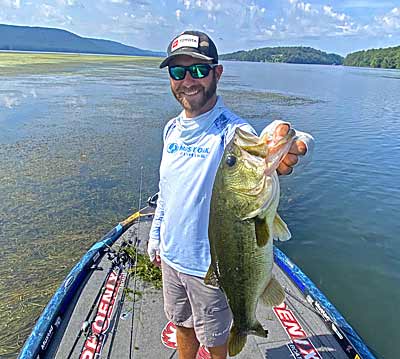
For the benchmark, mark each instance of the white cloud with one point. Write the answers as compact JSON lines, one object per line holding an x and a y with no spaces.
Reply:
{"x":396,"y":11}
{"x":209,"y":5}
{"x":330,"y":13}
{"x":389,"y":22}
{"x":367,"y":4}
{"x":212,"y":17}
{"x":16,"y":4}
{"x":48,"y":10}
{"x":53,"y":16}
{"x":234,"y":24}
{"x":66,"y":2}
{"x":306,"y":7}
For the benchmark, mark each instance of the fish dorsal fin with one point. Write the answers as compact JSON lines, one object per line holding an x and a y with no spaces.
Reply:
{"x":273,"y":294}
{"x":281,"y":230}
{"x":262,"y":231}
{"x":211,"y":278}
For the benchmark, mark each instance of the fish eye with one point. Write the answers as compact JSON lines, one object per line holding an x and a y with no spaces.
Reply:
{"x":230,"y":160}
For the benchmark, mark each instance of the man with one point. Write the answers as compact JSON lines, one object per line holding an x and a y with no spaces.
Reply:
{"x":193,"y":147}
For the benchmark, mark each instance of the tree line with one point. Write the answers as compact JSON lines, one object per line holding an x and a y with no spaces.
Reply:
{"x":295,"y":55}
{"x":388,"y":58}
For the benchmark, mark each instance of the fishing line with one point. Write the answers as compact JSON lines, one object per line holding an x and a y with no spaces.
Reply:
{"x":132,"y":342}
{"x":172,"y":355}
{"x":310,"y":330}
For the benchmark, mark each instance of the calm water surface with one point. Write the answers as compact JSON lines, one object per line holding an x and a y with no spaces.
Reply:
{"x":74,"y":142}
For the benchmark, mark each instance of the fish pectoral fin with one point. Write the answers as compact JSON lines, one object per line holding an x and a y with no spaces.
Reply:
{"x":273,"y":294}
{"x":262,"y":231}
{"x":236,"y":341}
{"x":281,"y":230}
{"x":211,"y":278}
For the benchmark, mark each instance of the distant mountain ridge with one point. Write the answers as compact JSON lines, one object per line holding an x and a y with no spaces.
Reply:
{"x":288,"y":54}
{"x":26,"y":38}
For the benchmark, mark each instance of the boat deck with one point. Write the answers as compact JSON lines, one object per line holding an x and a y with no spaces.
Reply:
{"x":296,"y":329}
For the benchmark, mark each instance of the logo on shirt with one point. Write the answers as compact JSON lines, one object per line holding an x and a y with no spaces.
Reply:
{"x":190,"y":151}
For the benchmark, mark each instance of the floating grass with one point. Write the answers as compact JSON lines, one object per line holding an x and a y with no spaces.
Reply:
{"x":74,"y":132}
{"x":39,"y":63}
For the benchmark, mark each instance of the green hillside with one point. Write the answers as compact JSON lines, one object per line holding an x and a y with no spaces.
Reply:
{"x":294,"y":55}
{"x":388,"y":58}
{"x":44,"y":39}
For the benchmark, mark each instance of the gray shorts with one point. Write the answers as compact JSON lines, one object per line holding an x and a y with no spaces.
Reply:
{"x":190,"y":303}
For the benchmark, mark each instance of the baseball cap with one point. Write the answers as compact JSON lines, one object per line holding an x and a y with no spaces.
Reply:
{"x":192,"y":43}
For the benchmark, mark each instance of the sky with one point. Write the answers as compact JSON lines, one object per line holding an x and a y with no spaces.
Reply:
{"x":340,"y":26}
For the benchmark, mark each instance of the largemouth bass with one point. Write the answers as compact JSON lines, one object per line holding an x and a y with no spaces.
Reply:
{"x":243,"y":223}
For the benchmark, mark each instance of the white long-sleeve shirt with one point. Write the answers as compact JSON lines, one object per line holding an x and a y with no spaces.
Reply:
{"x":193,"y":148}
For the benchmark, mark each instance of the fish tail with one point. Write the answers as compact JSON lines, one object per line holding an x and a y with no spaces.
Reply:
{"x":236,"y":341}
{"x":258,"y":329}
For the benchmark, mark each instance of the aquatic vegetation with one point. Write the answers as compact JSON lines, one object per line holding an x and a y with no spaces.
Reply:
{"x":144,"y":269}
{"x":26,"y":62}
{"x":72,"y":142}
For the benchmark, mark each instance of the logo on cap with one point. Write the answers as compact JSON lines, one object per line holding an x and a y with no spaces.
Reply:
{"x":185,"y":41}
{"x":174,"y":44}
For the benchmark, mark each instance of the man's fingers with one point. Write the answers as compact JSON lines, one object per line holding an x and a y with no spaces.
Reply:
{"x":298,"y":148}
{"x":290,"y":160}
{"x":157,"y":261}
{"x":283,"y":169}
{"x":280,"y":131}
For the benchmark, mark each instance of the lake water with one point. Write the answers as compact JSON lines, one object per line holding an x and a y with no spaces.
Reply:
{"x":75,"y":140}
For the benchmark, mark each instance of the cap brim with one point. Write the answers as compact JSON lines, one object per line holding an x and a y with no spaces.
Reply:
{"x":188,"y":53}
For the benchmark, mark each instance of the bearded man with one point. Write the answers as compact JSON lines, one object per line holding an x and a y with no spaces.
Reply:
{"x":194,"y":143}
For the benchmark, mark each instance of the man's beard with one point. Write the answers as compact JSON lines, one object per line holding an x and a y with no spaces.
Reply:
{"x":196,"y":104}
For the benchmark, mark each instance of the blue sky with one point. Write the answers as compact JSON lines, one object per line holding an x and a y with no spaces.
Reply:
{"x":340,"y":26}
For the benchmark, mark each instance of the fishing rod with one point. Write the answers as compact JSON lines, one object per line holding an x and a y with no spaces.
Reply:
{"x":49,"y":322}
{"x":131,"y":262}
{"x":123,"y":296}
{"x":85,"y":324}
{"x":117,"y":259}
{"x":133,"y":342}
{"x":100,"y":335}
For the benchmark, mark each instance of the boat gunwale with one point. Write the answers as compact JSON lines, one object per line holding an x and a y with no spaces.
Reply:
{"x":48,"y":322}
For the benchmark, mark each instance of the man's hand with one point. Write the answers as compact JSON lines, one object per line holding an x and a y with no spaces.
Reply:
{"x":153,"y":250}
{"x":297,"y":149}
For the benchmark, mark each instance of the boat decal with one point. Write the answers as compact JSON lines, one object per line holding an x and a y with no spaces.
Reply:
{"x":349,"y":340}
{"x":50,"y":333}
{"x":301,"y":346}
{"x":203,"y":353}
{"x":168,"y":338}
{"x":101,"y":323}
{"x":168,"y":335}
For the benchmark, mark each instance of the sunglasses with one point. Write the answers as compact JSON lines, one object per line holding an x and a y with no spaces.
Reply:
{"x":197,"y":71}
